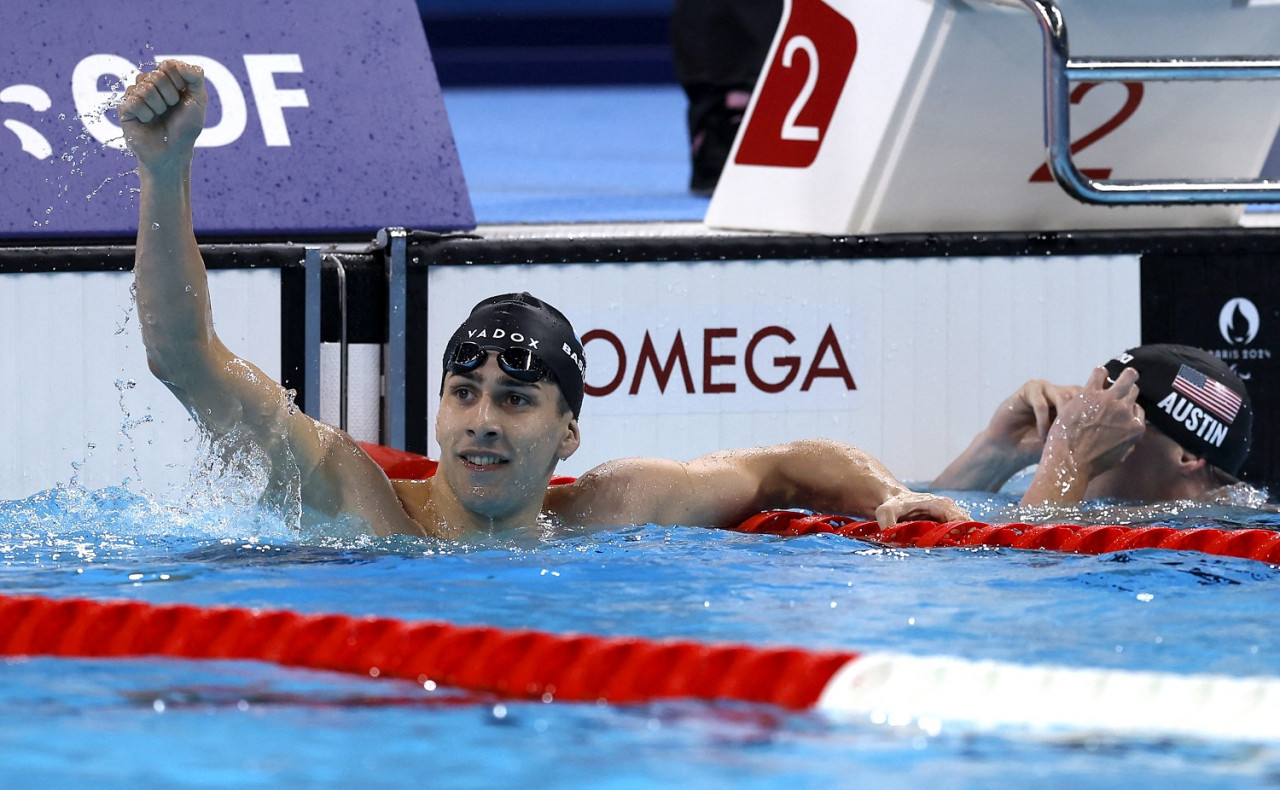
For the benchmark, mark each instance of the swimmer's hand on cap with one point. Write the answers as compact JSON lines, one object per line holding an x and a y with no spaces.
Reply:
{"x":1096,"y":431}
{"x":1102,"y":424}
{"x":162,"y":113}
{"x":1022,"y":421}
{"x":915,"y":506}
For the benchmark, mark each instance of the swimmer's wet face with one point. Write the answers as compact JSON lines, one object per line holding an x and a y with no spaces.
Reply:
{"x":1149,"y":473}
{"x":500,"y":439}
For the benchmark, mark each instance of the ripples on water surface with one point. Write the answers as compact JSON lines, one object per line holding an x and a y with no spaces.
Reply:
{"x":240,"y":724}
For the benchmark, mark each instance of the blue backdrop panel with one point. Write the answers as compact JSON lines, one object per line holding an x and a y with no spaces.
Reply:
{"x":325,"y":117}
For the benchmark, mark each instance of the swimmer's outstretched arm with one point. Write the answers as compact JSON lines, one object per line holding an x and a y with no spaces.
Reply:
{"x":1012,"y":440}
{"x":723,"y":489}
{"x":162,"y":115}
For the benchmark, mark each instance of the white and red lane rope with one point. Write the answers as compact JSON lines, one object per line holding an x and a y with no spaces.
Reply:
{"x":878,"y":687}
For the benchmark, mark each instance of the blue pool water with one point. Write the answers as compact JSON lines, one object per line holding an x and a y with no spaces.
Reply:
{"x":72,"y":723}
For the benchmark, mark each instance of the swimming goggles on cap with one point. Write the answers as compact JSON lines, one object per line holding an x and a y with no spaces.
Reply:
{"x":520,"y":364}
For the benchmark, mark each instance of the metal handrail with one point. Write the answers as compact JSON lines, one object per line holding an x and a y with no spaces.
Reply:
{"x":1059,"y":70}
{"x":395,"y":241}
{"x":344,"y":364}
{"x":312,"y":339}
{"x":311,"y":332}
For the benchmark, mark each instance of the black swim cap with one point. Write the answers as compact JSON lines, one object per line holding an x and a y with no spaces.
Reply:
{"x":1195,"y":398}
{"x":524,"y":321}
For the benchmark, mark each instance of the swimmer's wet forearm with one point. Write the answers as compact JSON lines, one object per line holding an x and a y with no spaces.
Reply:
{"x":983,"y":466}
{"x":1058,"y":480}
{"x":829,"y":476}
{"x":171,"y":284}
{"x":162,"y":115}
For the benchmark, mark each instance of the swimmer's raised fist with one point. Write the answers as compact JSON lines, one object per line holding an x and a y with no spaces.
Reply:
{"x":162,"y":113}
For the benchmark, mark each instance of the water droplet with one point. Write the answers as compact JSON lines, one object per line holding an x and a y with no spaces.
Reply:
{"x":155,"y":226}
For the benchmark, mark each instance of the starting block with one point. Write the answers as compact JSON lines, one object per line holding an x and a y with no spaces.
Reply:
{"x":888,"y":116}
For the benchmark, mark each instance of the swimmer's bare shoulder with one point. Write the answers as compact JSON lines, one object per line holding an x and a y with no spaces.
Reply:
{"x":603,"y":496}
{"x":347,"y":485}
{"x":715,"y":490}
{"x":417,"y":499}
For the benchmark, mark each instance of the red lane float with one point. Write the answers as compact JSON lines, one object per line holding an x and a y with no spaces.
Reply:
{"x":1255,"y":544}
{"x":885,"y":688}
{"x":511,"y":663}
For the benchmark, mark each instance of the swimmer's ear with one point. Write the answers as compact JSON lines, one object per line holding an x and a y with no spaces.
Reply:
{"x":572,"y":439}
{"x":1190,"y":463}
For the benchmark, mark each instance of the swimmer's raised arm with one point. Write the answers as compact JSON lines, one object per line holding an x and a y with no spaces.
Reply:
{"x":723,"y":489}
{"x":162,"y":115}
{"x":1012,"y":440}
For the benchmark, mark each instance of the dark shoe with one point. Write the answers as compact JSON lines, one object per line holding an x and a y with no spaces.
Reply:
{"x":713,"y":139}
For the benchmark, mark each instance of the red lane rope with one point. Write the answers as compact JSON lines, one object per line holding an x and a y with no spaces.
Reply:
{"x":513,"y":663}
{"x":1255,"y":544}
{"x":867,"y":686}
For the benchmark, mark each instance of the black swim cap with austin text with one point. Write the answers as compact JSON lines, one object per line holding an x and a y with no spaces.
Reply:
{"x":1194,"y":398}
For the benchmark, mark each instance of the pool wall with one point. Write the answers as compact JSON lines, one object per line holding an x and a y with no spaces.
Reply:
{"x":695,"y":340}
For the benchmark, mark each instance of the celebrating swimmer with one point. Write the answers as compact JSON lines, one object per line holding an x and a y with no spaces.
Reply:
{"x":1158,"y":422}
{"x":511,"y":399}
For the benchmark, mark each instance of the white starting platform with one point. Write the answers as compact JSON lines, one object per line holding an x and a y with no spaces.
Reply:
{"x":912,"y":116}
{"x":951,"y":115}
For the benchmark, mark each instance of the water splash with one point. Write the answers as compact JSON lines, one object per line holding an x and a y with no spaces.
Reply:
{"x":235,"y":481}
{"x":70,"y":165}
{"x":128,"y":311}
{"x":127,"y":424}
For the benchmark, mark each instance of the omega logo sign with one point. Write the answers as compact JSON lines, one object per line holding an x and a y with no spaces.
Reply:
{"x":771,"y":361}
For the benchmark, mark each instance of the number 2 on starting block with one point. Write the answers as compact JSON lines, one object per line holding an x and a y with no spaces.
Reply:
{"x":887,"y":116}
{"x":799,"y":91}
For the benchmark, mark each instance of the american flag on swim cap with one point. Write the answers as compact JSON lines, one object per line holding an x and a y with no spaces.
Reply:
{"x":1214,"y":396}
